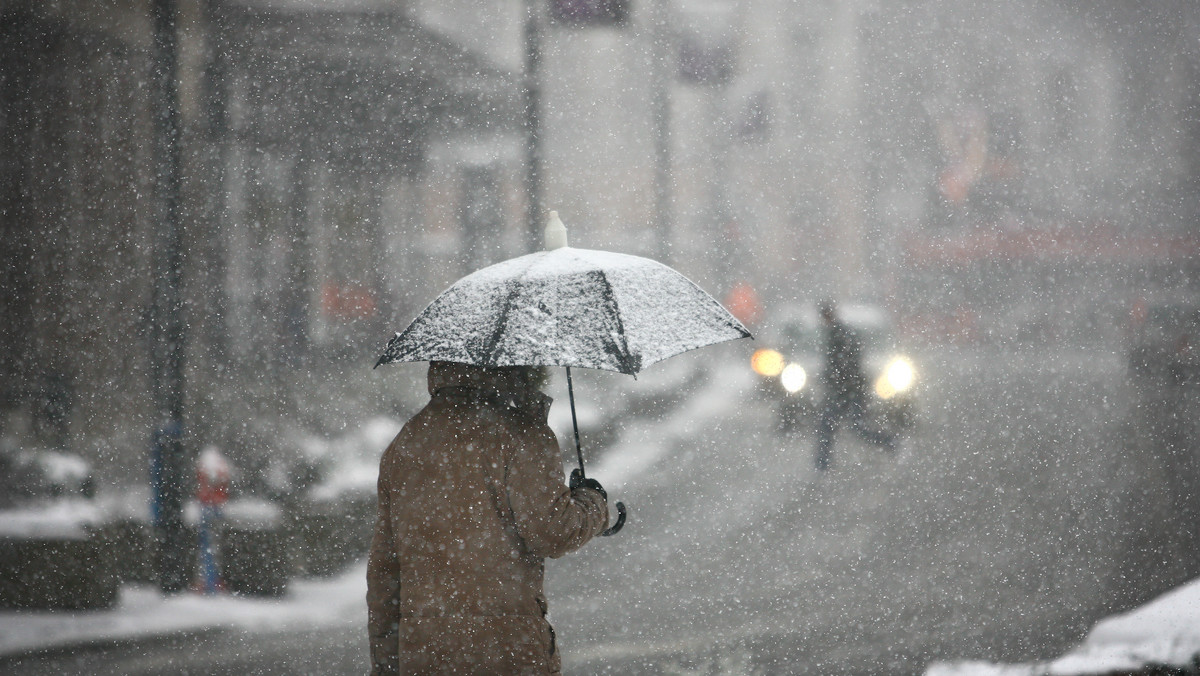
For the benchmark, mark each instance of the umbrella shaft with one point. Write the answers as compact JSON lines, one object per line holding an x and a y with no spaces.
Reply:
{"x":574,"y":422}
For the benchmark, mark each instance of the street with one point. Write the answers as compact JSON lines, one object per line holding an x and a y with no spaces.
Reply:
{"x":999,"y":532}
{"x":1002,"y":530}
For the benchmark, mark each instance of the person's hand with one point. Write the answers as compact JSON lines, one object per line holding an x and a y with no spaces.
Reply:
{"x":580,"y":481}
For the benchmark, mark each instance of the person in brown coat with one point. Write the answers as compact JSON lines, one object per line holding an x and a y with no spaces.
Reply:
{"x":471,"y":503}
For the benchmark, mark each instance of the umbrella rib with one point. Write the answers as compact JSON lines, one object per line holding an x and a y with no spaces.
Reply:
{"x":514,"y":289}
{"x":389,"y":351}
{"x":627,"y":360}
{"x":493,"y":344}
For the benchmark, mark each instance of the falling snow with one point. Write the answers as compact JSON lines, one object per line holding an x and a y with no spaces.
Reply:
{"x":209,"y":241}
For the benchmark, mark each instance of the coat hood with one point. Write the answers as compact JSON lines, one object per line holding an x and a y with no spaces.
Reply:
{"x":510,"y":384}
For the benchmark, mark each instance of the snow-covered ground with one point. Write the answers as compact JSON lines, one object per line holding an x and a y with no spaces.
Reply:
{"x":1165,"y":631}
{"x":143,"y":612}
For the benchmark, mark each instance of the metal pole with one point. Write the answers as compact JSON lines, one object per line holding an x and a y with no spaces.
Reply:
{"x":533,"y":126}
{"x":660,"y":68}
{"x":169,"y":477}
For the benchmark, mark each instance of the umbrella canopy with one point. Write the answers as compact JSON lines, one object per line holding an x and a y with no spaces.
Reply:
{"x":566,"y":307}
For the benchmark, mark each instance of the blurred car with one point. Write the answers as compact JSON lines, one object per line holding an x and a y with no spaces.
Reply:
{"x":1163,"y":341}
{"x":790,"y":362}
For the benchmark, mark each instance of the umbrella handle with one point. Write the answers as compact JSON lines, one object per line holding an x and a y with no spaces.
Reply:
{"x":612,"y":530}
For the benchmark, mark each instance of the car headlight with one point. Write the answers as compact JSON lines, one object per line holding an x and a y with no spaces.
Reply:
{"x":897,"y":377}
{"x":767,"y":362}
{"x":793,"y":377}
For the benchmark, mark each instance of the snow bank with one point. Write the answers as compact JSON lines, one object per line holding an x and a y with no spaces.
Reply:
{"x":1164,"y":631}
{"x":350,"y":462}
{"x":66,"y":519}
{"x":144,"y":612}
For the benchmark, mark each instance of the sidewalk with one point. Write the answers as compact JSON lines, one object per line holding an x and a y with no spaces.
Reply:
{"x":143,"y":612}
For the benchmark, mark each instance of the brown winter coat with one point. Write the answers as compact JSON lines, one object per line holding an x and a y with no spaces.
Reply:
{"x":471,"y":502}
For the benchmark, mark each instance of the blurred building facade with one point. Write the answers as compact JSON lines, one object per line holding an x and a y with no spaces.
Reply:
{"x":965,"y":164}
{"x":76,"y":220}
{"x":857,"y":149}
{"x":306,"y":133}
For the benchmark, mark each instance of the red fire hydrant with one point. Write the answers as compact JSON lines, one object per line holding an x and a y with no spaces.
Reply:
{"x":213,"y":475}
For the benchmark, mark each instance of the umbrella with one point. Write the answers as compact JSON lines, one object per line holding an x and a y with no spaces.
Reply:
{"x":566,"y":307}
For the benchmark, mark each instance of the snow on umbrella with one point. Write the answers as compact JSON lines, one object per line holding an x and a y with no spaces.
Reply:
{"x":566,"y":307}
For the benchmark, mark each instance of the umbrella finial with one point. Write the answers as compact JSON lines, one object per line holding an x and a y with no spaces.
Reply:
{"x":555,"y":235}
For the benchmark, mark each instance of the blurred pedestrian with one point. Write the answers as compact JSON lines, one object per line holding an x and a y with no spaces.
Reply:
{"x":845,"y":387}
{"x":471,"y":503}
